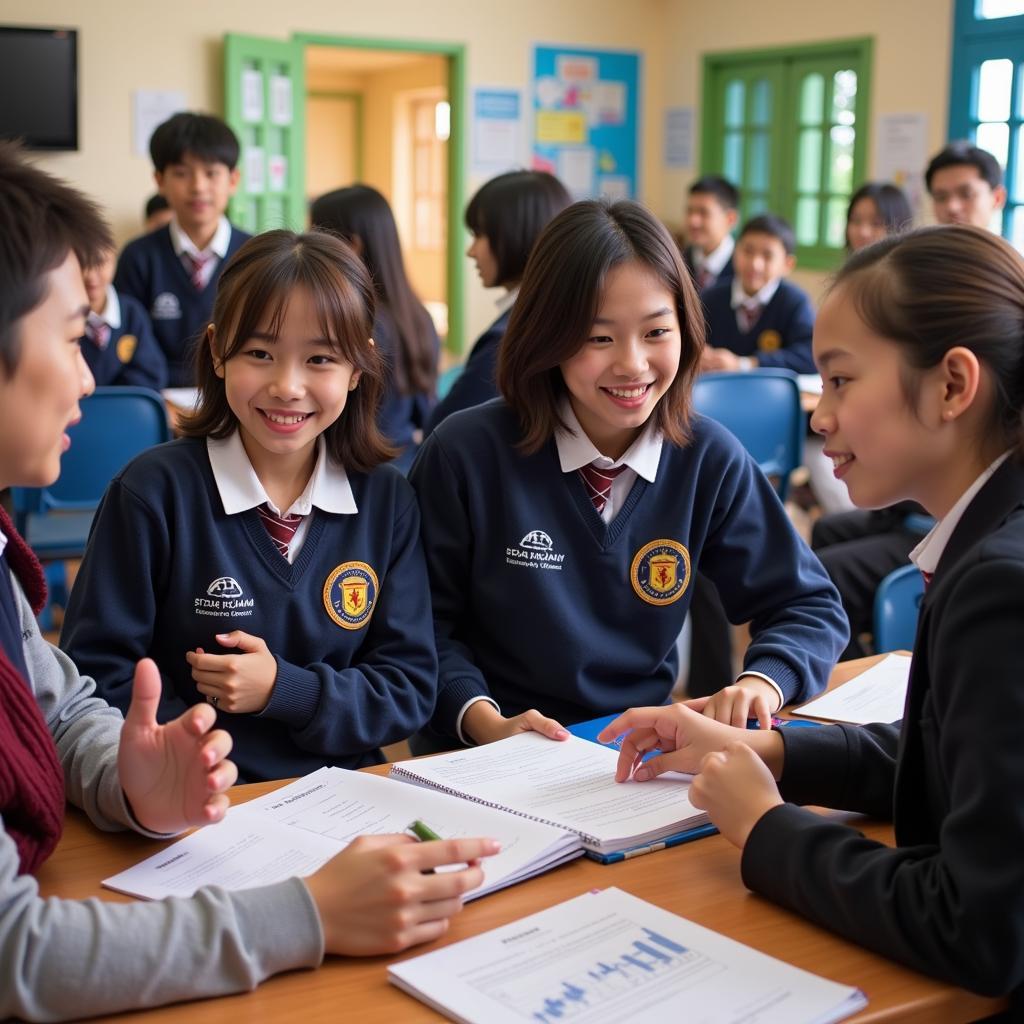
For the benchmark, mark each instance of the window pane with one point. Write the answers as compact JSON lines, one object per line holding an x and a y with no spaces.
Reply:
{"x":733,"y":157}
{"x":844,"y":97}
{"x":755,"y":204}
{"x":760,"y":161}
{"x":734,"y":104}
{"x":996,"y":139}
{"x":995,"y":78}
{"x":807,"y":221}
{"x":835,"y":223}
{"x":761,"y":102}
{"x":998,"y":8}
{"x":840,"y":171}
{"x":812,"y":99}
{"x":1017,"y":228}
{"x":1018,"y":178}
{"x":809,"y":161}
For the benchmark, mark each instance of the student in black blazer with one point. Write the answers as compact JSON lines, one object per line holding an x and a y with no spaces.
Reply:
{"x":921,"y":344}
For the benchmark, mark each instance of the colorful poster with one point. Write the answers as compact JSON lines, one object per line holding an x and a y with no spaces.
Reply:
{"x":585,"y":125}
{"x":497,"y":130}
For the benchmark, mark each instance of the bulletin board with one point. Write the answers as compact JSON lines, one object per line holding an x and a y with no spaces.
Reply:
{"x":585,"y":119}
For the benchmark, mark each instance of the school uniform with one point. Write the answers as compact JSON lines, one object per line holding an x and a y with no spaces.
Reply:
{"x":476,"y":383}
{"x":119,"y":346}
{"x":949,"y":899}
{"x":179,"y":553}
{"x":539,"y":602}
{"x":713,"y":268}
{"x":779,"y":332}
{"x":156,"y":269}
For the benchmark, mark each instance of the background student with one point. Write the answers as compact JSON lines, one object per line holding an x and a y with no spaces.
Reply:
{"x":267,"y":561}
{"x":758,"y":318}
{"x":157,"y":212}
{"x":402,"y":329}
{"x":877,"y":209}
{"x":67,"y":959}
{"x":118,"y":345}
{"x":173,"y":271}
{"x":966,"y":186}
{"x":712,"y":208}
{"x":505,"y":217}
{"x":922,"y":349}
{"x":562,"y":525}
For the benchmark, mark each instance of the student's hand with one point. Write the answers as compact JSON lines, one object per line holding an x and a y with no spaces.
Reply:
{"x":175,"y":775}
{"x":748,"y":697}
{"x":240,"y":682}
{"x":484,"y":724}
{"x":719,"y":360}
{"x":374,"y":897}
{"x":736,"y":788}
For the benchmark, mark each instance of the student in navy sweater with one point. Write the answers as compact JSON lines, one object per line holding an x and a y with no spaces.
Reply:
{"x":118,"y":345}
{"x":564,"y":523}
{"x":174,"y":270}
{"x":712,"y":209}
{"x":758,"y":318}
{"x":921,"y":346}
{"x":268,"y":561}
{"x":505,"y":217}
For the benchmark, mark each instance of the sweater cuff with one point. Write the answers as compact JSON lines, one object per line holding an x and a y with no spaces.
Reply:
{"x":452,"y":698}
{"x":769,"y":845}
{"x":280,"y":926}
{"x":815,"y":764}
{"x":295,"y":696}
{"x":780,"y":672}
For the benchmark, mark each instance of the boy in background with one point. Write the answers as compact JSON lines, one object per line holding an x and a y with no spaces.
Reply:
{"x":118,"y":345}
{"x":712,"y":209}
{"x":758,"y":318}
{"x":966,"y":186}
{"x":174,"y":271}
{"x":157,"y":212}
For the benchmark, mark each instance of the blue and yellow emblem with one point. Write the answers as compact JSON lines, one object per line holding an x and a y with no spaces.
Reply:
{"x":350,"y":593}
{"x":126,"y":346}
{"x":660,"y":572}
{"x":769,"y":341}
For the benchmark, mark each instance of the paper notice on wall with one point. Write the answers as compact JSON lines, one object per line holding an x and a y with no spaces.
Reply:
{"x":560,"y":127}
{"x":277,"y":173}
{"x":575,"y":169}
{"x":255,"y":167}
{"x":902,"y":154}
{"x":497,"y":130}
{"x":679,"y":137}
{"x":150,"y":108}
{"x":280,"y":99}
{"x":252,"y":95}
{"x":574,"y":68}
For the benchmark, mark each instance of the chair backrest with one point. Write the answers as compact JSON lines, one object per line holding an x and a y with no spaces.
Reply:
{"x":762,"y":408}
{"x":117,"y":423}
{"x":446,"y":379}
{"x":897,"y":600}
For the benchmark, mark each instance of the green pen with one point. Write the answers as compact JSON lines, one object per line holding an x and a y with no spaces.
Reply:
{"x":424,"y":833}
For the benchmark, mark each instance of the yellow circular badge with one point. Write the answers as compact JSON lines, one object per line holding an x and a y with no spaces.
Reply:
{"x":126,"y":346}
{"x":350,"y":592}
{"x":769,"y":341}
{"x":660,"y":572}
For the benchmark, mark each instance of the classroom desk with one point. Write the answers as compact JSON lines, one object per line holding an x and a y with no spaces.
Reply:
{"x":700,"y":880}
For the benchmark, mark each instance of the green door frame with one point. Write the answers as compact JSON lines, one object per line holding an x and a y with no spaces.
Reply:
{"x":456,"y":54}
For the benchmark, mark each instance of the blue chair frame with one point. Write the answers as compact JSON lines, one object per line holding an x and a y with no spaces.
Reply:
{"x":897,"y":601}
{"x":762,"y":409}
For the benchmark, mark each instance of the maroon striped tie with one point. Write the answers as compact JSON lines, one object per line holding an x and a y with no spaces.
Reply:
{"x":280,"y":528}
{"x":748,"y":316}
{"x":599,"y":483}
{"x":197,"y":264}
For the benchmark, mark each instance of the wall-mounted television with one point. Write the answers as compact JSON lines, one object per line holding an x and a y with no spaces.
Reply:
{"x":39,"y":86}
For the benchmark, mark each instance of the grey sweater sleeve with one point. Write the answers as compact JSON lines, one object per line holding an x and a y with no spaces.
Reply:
{"x":62,"y":959}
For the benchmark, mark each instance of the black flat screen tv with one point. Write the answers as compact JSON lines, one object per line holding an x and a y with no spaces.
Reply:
{"x":39,"y":86}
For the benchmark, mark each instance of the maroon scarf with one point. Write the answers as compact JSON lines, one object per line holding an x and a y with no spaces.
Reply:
{"x":31,"y":778}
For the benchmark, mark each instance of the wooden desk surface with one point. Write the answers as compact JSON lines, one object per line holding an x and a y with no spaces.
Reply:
{"x":700,"y":880}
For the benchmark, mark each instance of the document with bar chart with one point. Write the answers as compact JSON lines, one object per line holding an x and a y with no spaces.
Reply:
{"x":606,"y":957}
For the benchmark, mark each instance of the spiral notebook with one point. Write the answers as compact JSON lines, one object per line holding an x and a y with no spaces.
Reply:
{"x":569,"y":785}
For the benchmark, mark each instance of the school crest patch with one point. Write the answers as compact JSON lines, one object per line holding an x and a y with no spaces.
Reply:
{"x":126,"y":346}
{"x":660,"y":572}
{"x":350,"y":592}
{"x":769,"y":341}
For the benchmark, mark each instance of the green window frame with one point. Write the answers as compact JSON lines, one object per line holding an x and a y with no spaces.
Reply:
{"x":790,"y":127}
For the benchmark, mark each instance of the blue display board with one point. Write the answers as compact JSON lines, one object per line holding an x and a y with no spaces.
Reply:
{"x":585,"y":119}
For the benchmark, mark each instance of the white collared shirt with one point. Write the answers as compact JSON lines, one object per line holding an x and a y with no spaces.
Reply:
{"x":927,"y":554}
{"x":3,"y":541}
{"x":240,"y":489}
{"x":713,"y":262}
{"x":111,"y":315}
{"x":761,"y":298}
{"x":218,"y":247}
{"x":507,"y":301}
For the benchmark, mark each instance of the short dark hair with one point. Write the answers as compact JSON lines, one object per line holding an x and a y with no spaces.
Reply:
{"x":727,"y":194}
{"x":961,"y":153}
{"x":890,"y":201}
{"x":203,"y":136}
{"x":254,"y":288}
{"x":774,"y":225}
{"x":155,"y":203}
{"x":511,"y":210}
{"x":560,"y":296}
{"x":41,"y":220}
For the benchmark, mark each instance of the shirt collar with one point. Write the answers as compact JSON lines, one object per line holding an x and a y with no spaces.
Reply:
{"x":218,"y":245}
{"x":927,"y":554}
{"x":3,"y":541}
{"x":714,"y":262}
{"x":111,"y":315}
{"x":240,"y":489}
{"x":576,"y":450}
{"x":506,"y":302}
{"x":762,"y":298}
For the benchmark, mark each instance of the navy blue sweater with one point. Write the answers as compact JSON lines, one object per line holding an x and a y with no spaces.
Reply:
{"x":132,"y":355}
{"x":540,"y":604}
{"x":150,"y":271}
{"x":476,"y":382}
{"x":781,"y":336}
{"x":166,"y":569}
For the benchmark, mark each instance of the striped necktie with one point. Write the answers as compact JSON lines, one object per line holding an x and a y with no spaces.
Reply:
{"x":599,"y":483}
{"x":748,"y":315}
{"x":281,"y":528}
{"x":98,"y":332}
{"x":197,"y":263}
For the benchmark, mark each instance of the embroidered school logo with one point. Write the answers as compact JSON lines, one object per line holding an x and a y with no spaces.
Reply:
{"x":537,"y":540}
{"x":769,"y":341}
{"x":224,"y":599}
{"x":350,"y":593}
{"x":126,"y":346}
{"x":224,"y":586}
{"x":166,"y":307}
{"x":536,"y":550}
{"x":660,"y":572}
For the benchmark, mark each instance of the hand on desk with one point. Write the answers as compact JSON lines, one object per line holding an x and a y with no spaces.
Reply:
{"x":719,"y":360}
{"x":748,"y":697}
{"x":375,"y":898}
{"x":484,"y":724}
{"x":174,"y":776}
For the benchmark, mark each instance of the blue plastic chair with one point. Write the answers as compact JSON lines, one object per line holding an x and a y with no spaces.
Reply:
{"x":446,"y":379}
{"x":762,"y":408}
{"x":897,"y":601}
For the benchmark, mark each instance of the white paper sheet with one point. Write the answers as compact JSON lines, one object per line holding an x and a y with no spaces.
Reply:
{"x":876,"y":695}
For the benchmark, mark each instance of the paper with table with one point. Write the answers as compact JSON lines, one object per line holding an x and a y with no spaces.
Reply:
{"x":876,"y":695}
{"x":606,"y":957}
